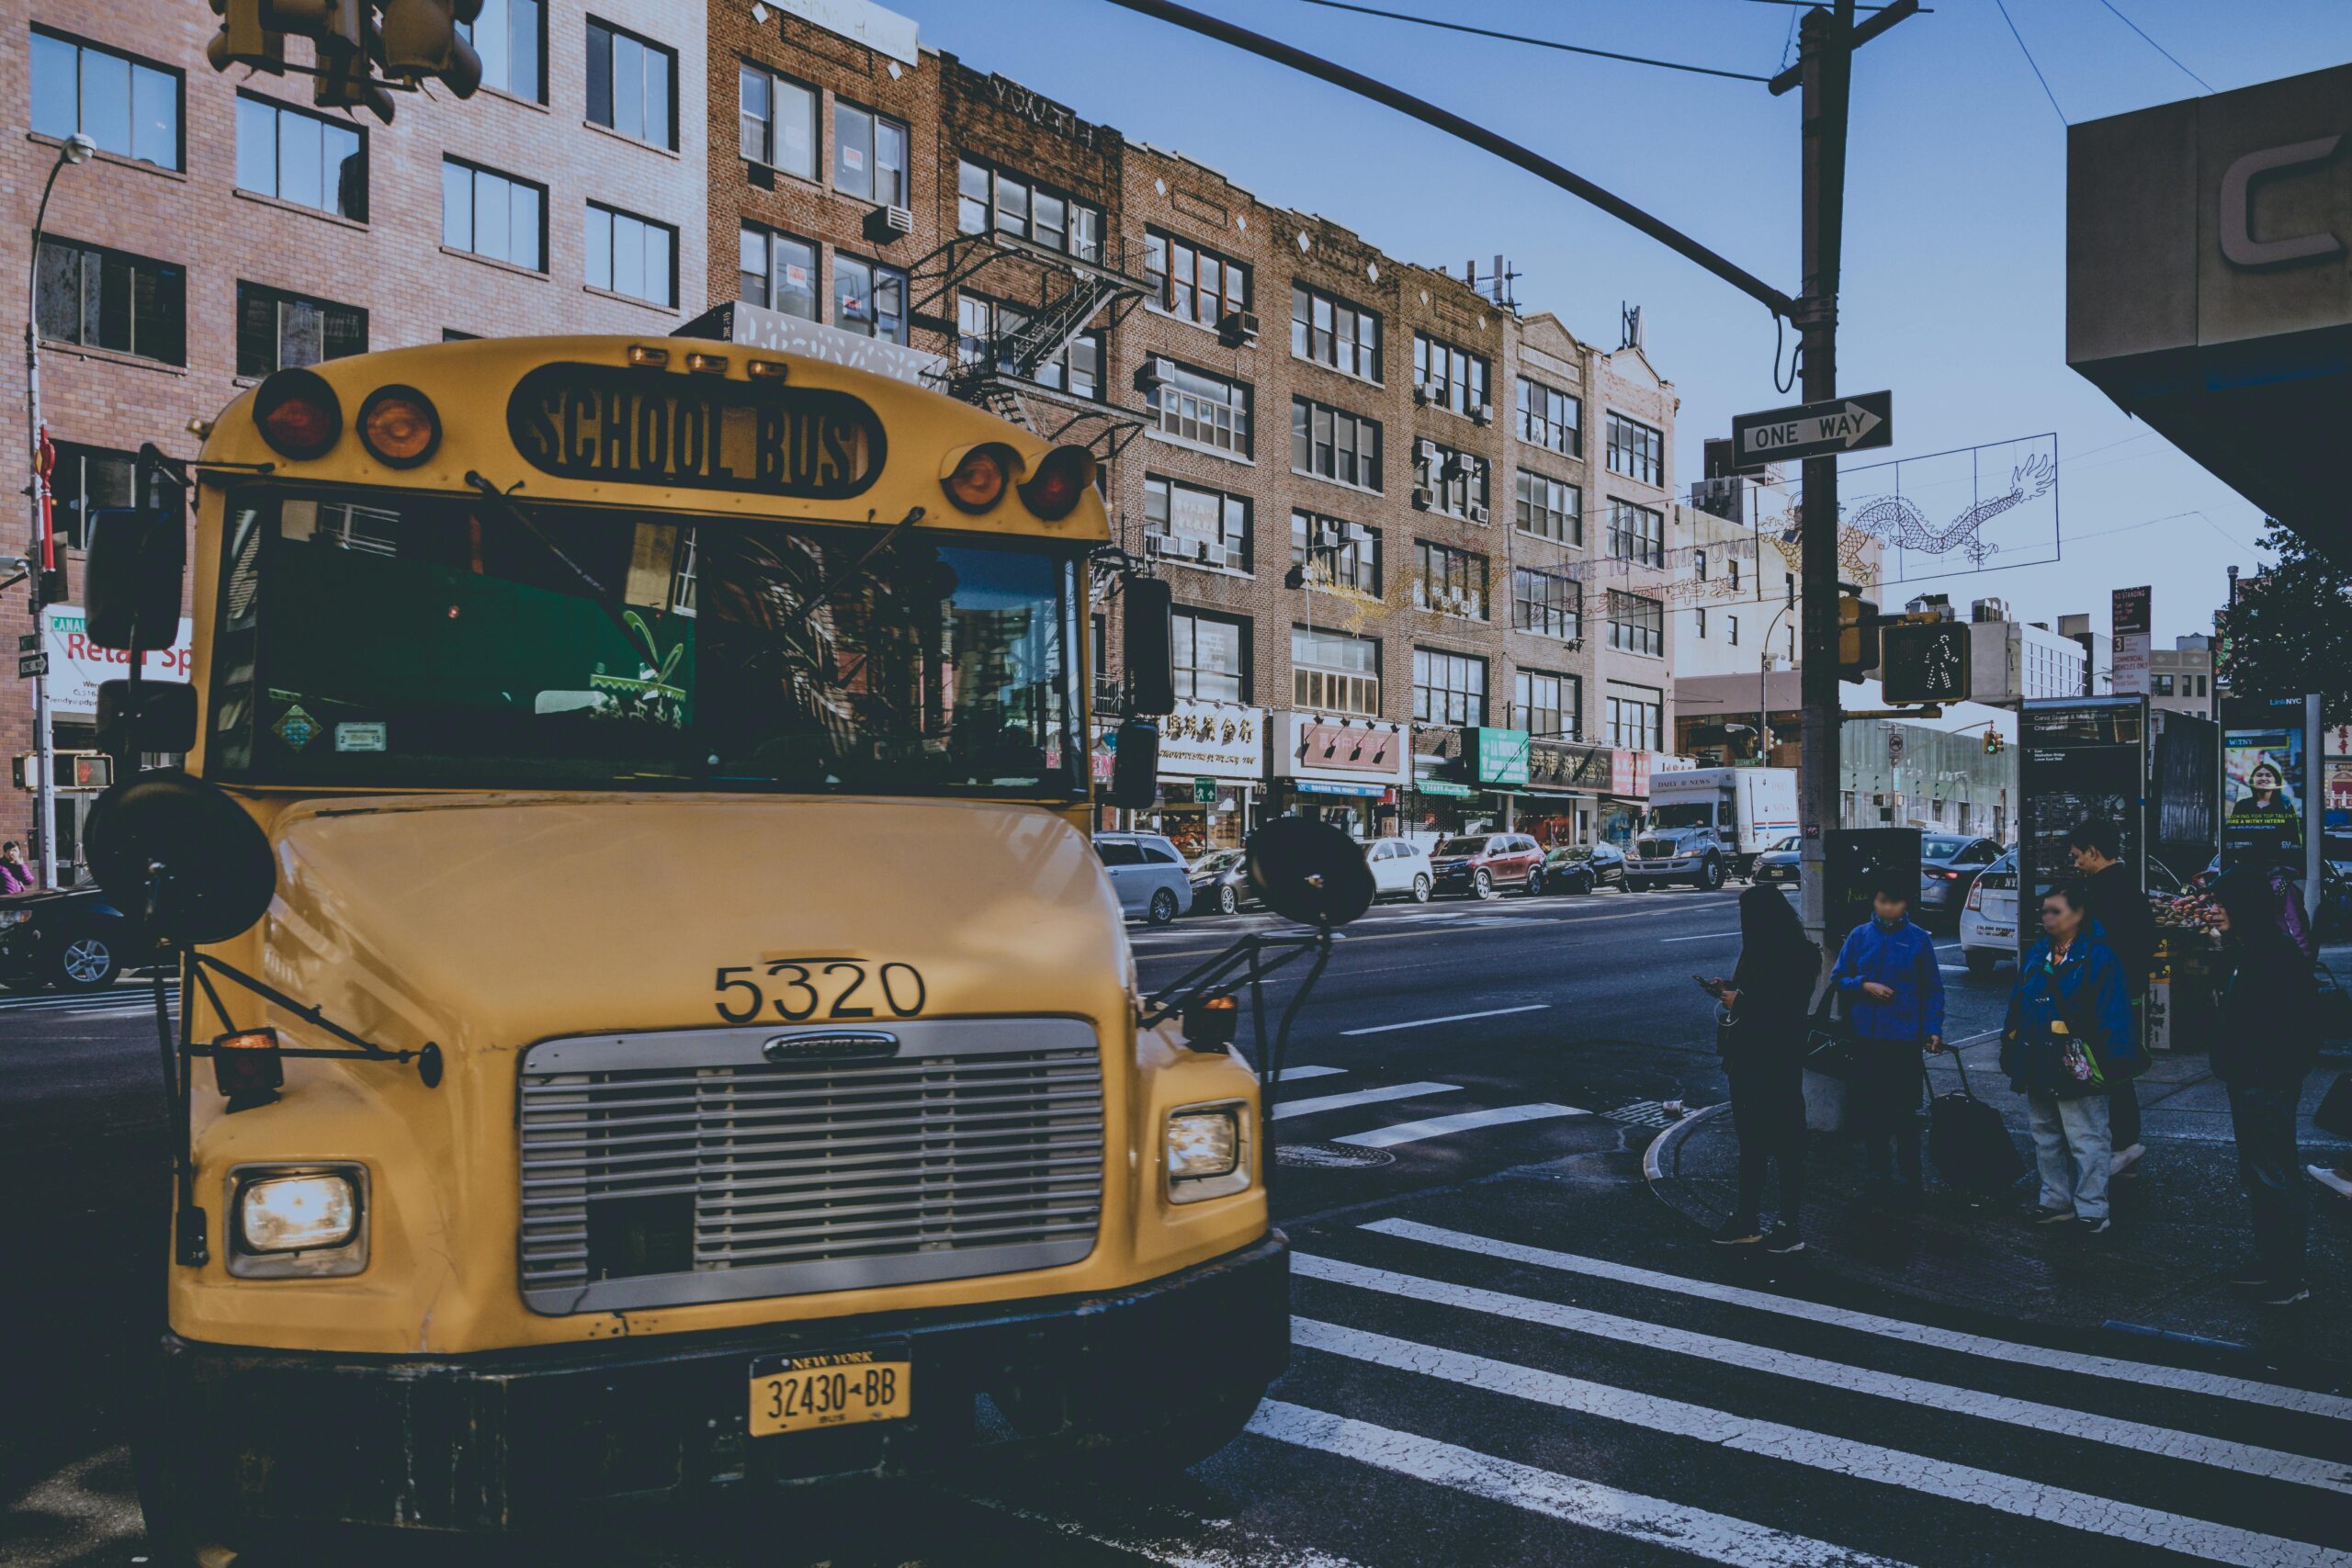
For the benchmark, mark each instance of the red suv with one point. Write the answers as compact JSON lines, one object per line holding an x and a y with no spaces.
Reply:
{"x":1480,"y":864}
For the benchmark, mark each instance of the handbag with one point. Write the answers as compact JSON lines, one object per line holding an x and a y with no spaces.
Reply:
{"x":1830,"y":1041}
{"x":2335,"y":1112}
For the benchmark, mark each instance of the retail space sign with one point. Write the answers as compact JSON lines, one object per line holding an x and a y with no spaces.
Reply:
{"x":1217,"y":740}
{"x":1500,"y":755}
{"x":76,"y":668}
{"x":2134,"y":637}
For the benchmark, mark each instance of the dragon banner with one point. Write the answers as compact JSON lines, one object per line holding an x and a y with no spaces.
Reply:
{"x":1947,"y":514}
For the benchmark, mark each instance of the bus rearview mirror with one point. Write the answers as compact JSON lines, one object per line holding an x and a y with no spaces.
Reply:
{"x":1149,"y":645}
{"x":131,"y":579}
{"x":1135,"y":765}
{"x":165,"y":720}
{"x":1309,"y":871}
{"x":177,"y":855}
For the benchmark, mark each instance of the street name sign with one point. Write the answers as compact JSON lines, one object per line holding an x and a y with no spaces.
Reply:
{"x":1815,"y":430}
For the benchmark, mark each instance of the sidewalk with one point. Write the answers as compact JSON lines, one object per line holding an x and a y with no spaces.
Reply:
{"x":2180,"y":1222}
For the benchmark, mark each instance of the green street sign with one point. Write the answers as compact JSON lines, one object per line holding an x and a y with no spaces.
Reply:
{"x":1204,"y":791}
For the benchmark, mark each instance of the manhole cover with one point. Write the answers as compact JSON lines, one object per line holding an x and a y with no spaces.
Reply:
{"x":1643,"y":1114}
{"x":1331,"y":1157}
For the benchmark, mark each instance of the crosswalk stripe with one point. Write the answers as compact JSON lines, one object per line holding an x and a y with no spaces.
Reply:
{"x":2010,"y":1352}
{"x":1461,"y":1122}
{"x":1246,"y":1550}
{"x":1715,"y":1538}
{"x":1287,"y":1109}
{"x":2195,"y":1448}
{"x":1819,"y":1450}
{"x":1290,"y":1074}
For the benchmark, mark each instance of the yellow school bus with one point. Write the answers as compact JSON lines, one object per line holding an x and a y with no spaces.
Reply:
{"x":691,"y":1038}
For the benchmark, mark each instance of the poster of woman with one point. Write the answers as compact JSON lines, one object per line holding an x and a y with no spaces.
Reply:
{"x":2262,"y":787}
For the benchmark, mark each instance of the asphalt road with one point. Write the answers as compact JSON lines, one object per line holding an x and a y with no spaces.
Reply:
{"x":1506,"y":1350}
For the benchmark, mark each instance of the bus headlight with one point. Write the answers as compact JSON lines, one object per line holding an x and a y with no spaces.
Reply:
{"x":1207,"y":1155}
{"x":297,"y":1221}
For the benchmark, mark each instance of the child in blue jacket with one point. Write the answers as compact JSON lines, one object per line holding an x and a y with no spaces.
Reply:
{"x":2068,"y":1042}
{"x":1894,"y":994}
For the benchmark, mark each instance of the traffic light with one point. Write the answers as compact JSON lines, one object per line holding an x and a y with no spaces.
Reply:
{"x":1926,"y":661}
{"x":1994,"y":744}
{"x":421,"y":39}
{"x":1857,"y":638}
{"x":248,"y":36}
{"x":348,"y":43}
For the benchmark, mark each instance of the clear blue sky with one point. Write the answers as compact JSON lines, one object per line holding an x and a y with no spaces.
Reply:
{"x":1955,"y":254}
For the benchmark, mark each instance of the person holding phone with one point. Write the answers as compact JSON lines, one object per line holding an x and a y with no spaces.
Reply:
{"x":1763,"y":1041}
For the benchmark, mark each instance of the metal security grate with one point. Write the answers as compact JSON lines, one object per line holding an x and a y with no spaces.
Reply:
{"x":689,"y":1166}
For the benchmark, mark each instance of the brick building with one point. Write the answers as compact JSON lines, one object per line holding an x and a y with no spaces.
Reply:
{"x":225,"y":229}
{"x":1410,"y":595}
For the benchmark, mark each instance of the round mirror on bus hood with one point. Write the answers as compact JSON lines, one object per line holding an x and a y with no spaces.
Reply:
{"x":179,"y":847}
{"x":1310,"y":872}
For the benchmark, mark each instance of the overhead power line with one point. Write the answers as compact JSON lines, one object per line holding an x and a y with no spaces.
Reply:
{"x":1538,"y":42}
{"x":2030,"y":60}
{"x":2157,"y":47}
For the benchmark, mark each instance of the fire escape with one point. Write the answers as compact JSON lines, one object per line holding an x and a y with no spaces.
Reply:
{"x":1058,"y":297}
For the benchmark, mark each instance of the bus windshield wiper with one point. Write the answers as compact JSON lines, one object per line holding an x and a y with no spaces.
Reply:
{"x":522,"y":518}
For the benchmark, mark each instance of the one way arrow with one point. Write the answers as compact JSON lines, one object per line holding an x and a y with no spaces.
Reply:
{"x":1849,"y":426}
{"x":1815,"y":430}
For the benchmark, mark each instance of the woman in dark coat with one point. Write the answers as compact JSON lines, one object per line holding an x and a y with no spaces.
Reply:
{"x":1764,"y":1056}
{"x":2267,"y":1043}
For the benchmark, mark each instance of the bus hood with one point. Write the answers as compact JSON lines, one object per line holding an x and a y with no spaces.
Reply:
{"x":491,"y":921}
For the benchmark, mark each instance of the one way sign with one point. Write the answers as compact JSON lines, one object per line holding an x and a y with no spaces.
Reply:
{"x":1815,"y":430}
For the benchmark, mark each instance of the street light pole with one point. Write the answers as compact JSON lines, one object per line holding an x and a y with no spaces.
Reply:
{"x":41,"y":556}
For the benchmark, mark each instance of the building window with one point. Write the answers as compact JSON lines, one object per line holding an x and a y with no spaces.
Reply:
{"x":510,"y":37}
{"x":87,"y":478}
{"x":1635,"y":450}
{"x":632,"y":255}
{"x":1454,"y":483}
{"x":1788,"y":582}
{"x":778,"y":271}
{"x":1327,"y":329}
{"x":1550,"y":509}
{"x":1548,"y":707}
{"x":1201,"y":410}
{"x":1449,"y":377}
{"x":776,"y":121}
{"x":988,"y":198}
{"x":128,"y":108}
{"x":302,"y":158}
{"x":1332,"y":672}
{"x":1547,"y":603}
{"x":984,"y":326}
{"x":1638,"y":533}
{"x":1636,"y":625}
{"x":869,"y":156}
{"x":1343,"y":554}
{"x":1449,"y":688}
{"x":279,"y":331}
{"x":1449,"y":581}
{"x":1077,"y":369}
{"x":111,"y":300}
{"x":492,"y":215}
{"x":869,"y":299}
{"x":1334,"y":444}
{"x":632,"y":82}
{"x":1637,"y":719}
{"x":1551,"y":418}
{"x":1735,"y":574}
{"x":1194,"y":281}
{"x":2162,"y":683}
{"x":1731,"y":630}
{"x":1699,"y":622}
{"x":1212,"y":655}
{"x":1189,"y":523}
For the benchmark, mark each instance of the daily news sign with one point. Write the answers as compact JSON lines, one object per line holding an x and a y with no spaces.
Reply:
{"x":76,"y":668}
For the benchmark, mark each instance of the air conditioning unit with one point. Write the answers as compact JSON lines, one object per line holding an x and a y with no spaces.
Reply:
{"x":1149,"y":378}
{"x":1420,"y":394}
{"x":884,"y":224}
{"x":1425,"y":452}
{"x":1478,"y":512}
{"x":1483,"y":413}
{"x":1236,"y":328}
{"x":1423,"y":498}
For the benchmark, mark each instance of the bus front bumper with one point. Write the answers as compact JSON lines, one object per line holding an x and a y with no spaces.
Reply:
{"x":523,"y":1439}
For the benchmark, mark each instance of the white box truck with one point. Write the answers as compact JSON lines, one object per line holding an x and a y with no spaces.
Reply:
{"x":1705,"y":824}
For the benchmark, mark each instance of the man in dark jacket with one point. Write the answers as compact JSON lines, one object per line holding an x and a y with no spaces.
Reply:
{"x":2120,"y":911}
{"x":1894,"y":992}
{"x":2268,"y":1042}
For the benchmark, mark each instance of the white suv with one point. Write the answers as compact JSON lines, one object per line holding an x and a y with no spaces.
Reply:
{"x":1148,"y":874}
{"x":1400,"y":869}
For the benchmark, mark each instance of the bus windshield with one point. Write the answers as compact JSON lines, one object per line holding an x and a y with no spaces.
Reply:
{"x":385,"y":639}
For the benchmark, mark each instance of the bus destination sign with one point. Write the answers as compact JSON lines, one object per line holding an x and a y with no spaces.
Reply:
{"x":651,"y":427}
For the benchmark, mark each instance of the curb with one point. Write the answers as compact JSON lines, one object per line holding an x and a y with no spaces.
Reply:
{"x":1666,"y":1143}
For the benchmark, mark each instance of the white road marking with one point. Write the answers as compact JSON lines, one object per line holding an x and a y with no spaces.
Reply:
{"x":2025,"y":1498}
{"x":1461,"y":1122}
{"x":1179,"y":1548}
{"x":1953,"y":968}
{"x":1703,"y":936}
{"x":1450,"y":1017}
{"x":2195,"y":1448}
{"x":1286,"y":1110}
{"x":1714,"y":1538}
{"x":2010,"y":1352}
{"x":1289,"y":1074}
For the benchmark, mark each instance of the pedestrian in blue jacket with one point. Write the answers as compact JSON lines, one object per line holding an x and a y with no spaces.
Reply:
{"x":2069,"y":1041}
{"x":1894,"y":992}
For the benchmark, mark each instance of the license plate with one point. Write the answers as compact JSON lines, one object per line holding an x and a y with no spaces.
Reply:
{"x":840,"y":1388}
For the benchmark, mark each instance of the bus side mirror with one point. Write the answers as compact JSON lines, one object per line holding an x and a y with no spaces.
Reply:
{"x":1309,"y":871}
{"x":177,"y":855}
{"x":131,"y":578}
{"x":165,"y":720}
{"x":1147,"y":645}
{"x":1134,"y":766}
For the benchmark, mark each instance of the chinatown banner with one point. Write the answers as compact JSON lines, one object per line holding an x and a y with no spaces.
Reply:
{"x":76,"y":668}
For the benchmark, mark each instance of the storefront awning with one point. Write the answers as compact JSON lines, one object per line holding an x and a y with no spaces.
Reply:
{"x":1443,"y":786}
{"x":1319,"y":787}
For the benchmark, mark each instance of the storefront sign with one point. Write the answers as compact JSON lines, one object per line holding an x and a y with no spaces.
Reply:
{"x":1217,"y":740}
{"x":1445,"y":787}
{"x":1356,"y":750}
{"x":1629,"y":773}
{"x":75,"y":667}
{"x":1557,"y":766}
{"x":1501,"y":755}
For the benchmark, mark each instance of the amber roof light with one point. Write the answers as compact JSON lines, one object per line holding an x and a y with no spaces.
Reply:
{"x":399,"y":426}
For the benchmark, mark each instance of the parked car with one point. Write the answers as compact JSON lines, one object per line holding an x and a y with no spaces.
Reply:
{"x":1480,"y":865}
{"x":1950,"y":864}
{"x":1780,"y":862}
{"x":1578,"y":868}
{"x":1400,"y":869}
{"x":1220,"y":881}
{"x":70,"y":940}
{"x":1988,"y":917}
{"x":1147,"y":872}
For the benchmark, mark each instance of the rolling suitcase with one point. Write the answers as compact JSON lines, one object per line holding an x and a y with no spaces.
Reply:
{"x":1967,"y":1140}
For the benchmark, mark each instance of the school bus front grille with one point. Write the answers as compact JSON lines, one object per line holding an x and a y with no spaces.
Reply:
{"x":665,"y":1168}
